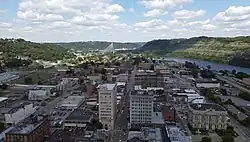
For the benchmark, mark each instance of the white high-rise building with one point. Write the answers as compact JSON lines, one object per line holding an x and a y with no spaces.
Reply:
{"x":141,"y":107}
{"x":107,"y":105}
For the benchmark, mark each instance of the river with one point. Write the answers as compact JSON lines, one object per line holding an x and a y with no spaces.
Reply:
{"x":215,"y":66}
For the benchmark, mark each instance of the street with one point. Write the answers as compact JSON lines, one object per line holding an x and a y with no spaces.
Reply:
{"x":233,"y":83}
{"x":240,"y":129}
{"x":120,"y":133}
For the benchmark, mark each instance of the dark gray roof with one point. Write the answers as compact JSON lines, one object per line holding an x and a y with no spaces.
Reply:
{"x":164,"y":135}
{"x":88,"y":140}
{"x":79,"y":115}
{"x":205,"y":80}
{"x":136,"y":139}
{"x":141,"y":92}
{"x":206,"y":106}
{"x":16,"y":108}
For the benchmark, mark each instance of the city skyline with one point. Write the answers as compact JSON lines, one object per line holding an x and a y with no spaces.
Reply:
{"x":120,"y":20}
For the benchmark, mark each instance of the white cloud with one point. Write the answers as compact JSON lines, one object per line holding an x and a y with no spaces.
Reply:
{"x":241,"y":25}
{"x":231,"y":29}
{"x":175,"y":22}
{"x":3,"y":11}
{"x":38,"y":17}
{"x":59,"y":20}
{"x":180,"y":30}
{"x":56,"y":10}
{"x":131,"y":9}
{"x":195,"y":23}
{"x":208,"y":27}
{"x":155,"y":13}
{"x":149,"y":24}
{"x":5,"y":25}
{"x":234,"y":13}
{"x":115,"y":8}
{"x":79,"y":20}
{"x":235,"y":20}
{"x":237,"y":11}
{"x":163,"y":4}
{"x":186,"y":14}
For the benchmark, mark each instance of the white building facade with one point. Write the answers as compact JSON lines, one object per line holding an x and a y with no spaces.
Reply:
{"x":107,"y":105}
{"x":68,"y":84}
{"x":18,"y":114}
{"x":207,"y":116}
{"x":123,"y":77}
{"x":38,"y":95}
{"x":141,"y":107}
{"x":205,"y":83}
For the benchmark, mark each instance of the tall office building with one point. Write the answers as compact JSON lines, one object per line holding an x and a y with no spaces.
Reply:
{"x":107,"y":105}
{"x":141,"y":108}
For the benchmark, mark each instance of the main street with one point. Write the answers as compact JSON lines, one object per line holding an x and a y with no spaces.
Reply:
{"x":120,"y":133}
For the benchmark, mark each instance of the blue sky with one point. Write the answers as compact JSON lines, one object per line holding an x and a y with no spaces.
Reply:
{"x":122,"y":20}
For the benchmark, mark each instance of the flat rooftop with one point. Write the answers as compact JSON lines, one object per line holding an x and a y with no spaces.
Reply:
{"x":79,"y":115}
{"x":142,"y":92}
{"x":28,"y":125}
{"x":175,"y":134}
{"x":107,"y":86}
{"x":146,"y":134}
{"x":121,"y":83}
{"x":3,"y":99}
{"x":145,"y":72}
{"x":205,"y":80}
{"x":72,"y":100}
{"x":16,"y":108}
{"x":157,"y":118}
{"x":206,"y":106}
{"x":8,"y":75}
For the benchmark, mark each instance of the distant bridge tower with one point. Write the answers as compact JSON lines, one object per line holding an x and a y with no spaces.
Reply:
{"x":110,"y":48}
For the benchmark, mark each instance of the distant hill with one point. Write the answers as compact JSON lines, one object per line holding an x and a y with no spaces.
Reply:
{"x":234,"y":51}
{"x":100,"y":45}
{"x":12,"y":48}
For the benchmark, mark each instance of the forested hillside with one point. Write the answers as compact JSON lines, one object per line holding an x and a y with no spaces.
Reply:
{"x":12,"y":48}
{"x":93,"y":45}
{"x":235,"y":51}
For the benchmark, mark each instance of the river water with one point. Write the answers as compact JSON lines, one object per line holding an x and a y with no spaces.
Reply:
{"x":215,"y":66}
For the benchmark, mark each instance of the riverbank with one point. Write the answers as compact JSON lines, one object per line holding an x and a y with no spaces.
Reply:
{"x":214,"y":66}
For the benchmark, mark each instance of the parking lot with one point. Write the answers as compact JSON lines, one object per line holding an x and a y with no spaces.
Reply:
{"x":58,"y":116}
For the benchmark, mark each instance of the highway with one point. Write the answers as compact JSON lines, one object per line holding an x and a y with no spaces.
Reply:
{"x":232,"y":83}
{"x":240,"y":129}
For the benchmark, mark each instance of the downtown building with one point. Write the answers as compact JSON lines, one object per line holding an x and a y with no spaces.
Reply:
{"x":141,"y":108}
{"x":107,"y":95}
{"x":151,"y":78}
{"x":35,"y":128}
{"x":207,"y":116}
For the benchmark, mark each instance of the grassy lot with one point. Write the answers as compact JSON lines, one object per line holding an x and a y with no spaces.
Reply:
{"x":37,"y":77}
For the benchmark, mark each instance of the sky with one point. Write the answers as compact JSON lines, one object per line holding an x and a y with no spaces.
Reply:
{"x":122,"y":20}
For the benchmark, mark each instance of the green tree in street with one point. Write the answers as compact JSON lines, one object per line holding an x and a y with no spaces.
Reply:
{"x":28,"y":80}
{"x":245,"y":96}
{"x":228,"y":138}
{"x":4,"y":86}
{"x":206,"y":139}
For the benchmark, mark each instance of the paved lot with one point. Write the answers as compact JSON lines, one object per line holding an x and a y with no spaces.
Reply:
{"x":232,"y":83}
{"x":236,"y":100}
